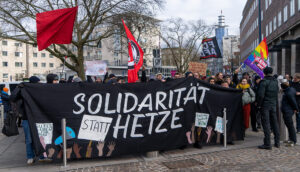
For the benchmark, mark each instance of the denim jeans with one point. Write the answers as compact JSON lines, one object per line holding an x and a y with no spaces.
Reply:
{"x":28,"y":140}
{"x":269,"y":120}
{"x":298,"y":121}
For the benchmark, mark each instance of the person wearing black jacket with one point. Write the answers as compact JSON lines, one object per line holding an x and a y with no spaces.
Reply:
{"x":288,"y":108}
{"x":296,"y":85}
{"x":267,"y":96}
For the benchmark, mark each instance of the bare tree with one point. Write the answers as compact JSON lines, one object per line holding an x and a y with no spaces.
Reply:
{"x":183,"y":40}
{"x":17,"y":21}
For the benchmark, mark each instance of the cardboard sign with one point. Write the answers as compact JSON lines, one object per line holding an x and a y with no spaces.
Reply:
{"x":45,"y":130}
{"x":94,"y":127}
{"x":198,"y":67}
{"x":95,"y":67}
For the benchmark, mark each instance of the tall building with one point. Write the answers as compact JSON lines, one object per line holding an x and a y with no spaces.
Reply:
{"x":19,"y":60}
{"x":231,"y":53}
{"x":216,"y":65}
{"x":280,"y":24}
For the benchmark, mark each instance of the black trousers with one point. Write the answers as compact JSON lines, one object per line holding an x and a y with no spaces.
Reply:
{"x":253,"y":116}
{"x":288,"y":120}
{"x":268,"y":120}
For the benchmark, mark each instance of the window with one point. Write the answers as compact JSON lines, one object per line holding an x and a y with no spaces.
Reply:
{"x":262,"y":15}
{"x":4,"y":42}
{"x":274,"y":23}
{"x":4,"y":64}
{"x":18,"y":54}
{"x":18,"y":64}
{"x":292,"y":7}
{"x":279,"y":18}
{"x":34,"y":45}
{"x":285,"y":13}
{"x":5,"y":75}
{"x":99,"y":45}
{"x":266,"y":4}
{"x":51,"y":64}
{"x":50,"y":55}
{"x":99,"y":54}
{"x":270,"y":27}
{"x":267,"y":30}
{"x":35,"y":64}
{"x":43,"y":64}
{"x":299,"y":5}
{"x":17,"y":44}
{"x":4,"y":53}
{"x":34,"y":54}
{"x":270,"y":1}
{"x":43,"y":55}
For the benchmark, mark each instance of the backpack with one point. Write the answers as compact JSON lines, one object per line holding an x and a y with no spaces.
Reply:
{"x":10,"y":125}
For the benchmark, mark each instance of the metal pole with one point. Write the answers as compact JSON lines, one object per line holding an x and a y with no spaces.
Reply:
{"x":63,"y":126}
{"x":2,"y":116}
{"x":225,"y":128}
{"x":259,"y":20}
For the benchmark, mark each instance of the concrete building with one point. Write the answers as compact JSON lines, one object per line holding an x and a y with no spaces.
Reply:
{"x":280,"y":24}
{"x":231,"y":53}
{"x":19,"y":60}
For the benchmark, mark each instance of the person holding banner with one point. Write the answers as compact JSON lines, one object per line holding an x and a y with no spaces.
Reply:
{"x":296,"y":84}
{"x":267,"y":96}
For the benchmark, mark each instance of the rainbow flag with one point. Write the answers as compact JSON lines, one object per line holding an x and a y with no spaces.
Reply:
{"x":258,"y":59}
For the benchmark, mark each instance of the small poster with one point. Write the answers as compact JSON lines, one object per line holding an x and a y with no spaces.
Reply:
{"x":95,"y":67}
{"x":94,"y":127}
{"x":219,"y":125}
{"x":45,"y":131}
{"x":201,"y":119}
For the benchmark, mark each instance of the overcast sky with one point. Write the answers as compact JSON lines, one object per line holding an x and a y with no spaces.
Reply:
{"x":208,"y":10}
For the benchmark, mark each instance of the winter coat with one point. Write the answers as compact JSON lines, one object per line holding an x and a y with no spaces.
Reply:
{"x":248,"y":94}
{"x":267,"y":93}
{"x":5,"y":101}
{"x":296,"y":85}
{"x":289,"y":103}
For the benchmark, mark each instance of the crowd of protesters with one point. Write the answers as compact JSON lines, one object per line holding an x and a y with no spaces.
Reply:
{"x":259,"y":100}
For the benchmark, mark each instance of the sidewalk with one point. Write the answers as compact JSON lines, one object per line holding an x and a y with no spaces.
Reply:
{"x":13,"y":155}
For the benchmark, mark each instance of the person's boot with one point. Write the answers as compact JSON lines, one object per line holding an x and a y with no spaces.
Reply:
{"x":265,"y":147}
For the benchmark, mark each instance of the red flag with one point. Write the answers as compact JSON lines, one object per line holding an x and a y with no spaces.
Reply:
{"x":135,"y":60}
{"x":55,"y":27}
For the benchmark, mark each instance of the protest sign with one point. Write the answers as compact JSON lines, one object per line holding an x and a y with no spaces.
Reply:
{"x":198,"y":67}
{"x":95,"y":67}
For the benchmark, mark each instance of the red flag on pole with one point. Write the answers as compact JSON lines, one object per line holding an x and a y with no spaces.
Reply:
{"x":55,"y":27}
{"x":135,"y":60}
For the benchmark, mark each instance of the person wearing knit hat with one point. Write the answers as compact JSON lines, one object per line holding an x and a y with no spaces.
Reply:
{"x":5,"y":89}
{"x":34,"y":79}
{"x":5,"y":101}
{"x":52,"y":78}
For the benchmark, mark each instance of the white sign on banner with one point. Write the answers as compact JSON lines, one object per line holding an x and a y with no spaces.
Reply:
{"x":201,"y":119}
{"x":95,"y":67}
{"x":94,"y":127}
{"x":219,"y":125}
{"x":45,"y":130}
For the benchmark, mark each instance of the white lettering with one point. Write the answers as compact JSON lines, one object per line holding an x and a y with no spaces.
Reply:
{"x":82,"y":95}
{"x":135,"y":125}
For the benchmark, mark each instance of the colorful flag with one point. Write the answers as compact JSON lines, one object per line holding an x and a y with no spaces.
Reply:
{"x":135,"y":60}
{"x":257,"y":60}
{"x":55,"y":27}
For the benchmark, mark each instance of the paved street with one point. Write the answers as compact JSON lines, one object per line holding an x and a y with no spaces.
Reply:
{"x":243,"y":156}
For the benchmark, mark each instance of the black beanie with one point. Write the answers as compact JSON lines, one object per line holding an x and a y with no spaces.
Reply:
{"x":51,"y":77}
{"x":34,"y":79}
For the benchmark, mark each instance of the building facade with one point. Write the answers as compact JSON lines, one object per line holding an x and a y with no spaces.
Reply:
{"x":231,"y":53}
{"x":19,"y":60}
{"x":280,"y":24}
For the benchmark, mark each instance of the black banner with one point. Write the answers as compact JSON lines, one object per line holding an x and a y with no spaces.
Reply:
{"x":210,"y":49}
{"x":106,"y":120}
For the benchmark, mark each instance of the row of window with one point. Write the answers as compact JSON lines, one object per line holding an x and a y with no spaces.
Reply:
{"x":277,"y":20}
{"x":20,"y":64}
{"x":20,"y":54}
{"x":17,"y":44}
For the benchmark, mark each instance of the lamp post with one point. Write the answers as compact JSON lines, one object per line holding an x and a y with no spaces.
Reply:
{"x":231,"y":43}
{"x":259,"y":20}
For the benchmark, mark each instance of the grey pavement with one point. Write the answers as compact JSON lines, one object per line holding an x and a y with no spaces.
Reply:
{"x":211,"y":158}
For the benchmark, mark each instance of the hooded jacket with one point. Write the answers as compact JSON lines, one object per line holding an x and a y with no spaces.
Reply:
{"x":289,"y":103}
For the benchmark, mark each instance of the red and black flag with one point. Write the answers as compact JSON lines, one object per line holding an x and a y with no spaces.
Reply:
{"x":55,"y":27}
{"x":135,"y":60}
{"x":210,"y":48}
